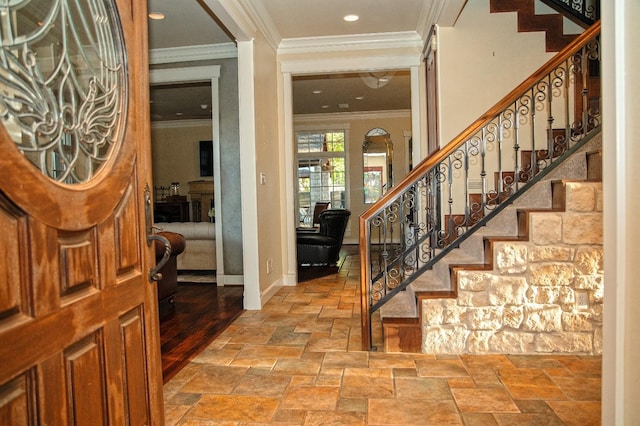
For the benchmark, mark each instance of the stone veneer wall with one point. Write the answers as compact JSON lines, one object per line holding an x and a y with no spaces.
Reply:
{"x":529,"y":303}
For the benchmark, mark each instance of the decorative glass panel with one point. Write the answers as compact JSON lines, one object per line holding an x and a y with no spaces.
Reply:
{"x":63,"y":85}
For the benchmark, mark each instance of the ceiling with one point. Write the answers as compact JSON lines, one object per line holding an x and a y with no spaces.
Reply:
{"x":287,"y":19}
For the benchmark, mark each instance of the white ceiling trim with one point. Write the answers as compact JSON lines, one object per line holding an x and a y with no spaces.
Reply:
{"x":184,"y":74}
{"x":175,"y":124}
{"x":306,"y":45}
{"x":350,"y":64}
{"x":235,"y":17}
{"x":263,"y":21}
{"x":351,"y":116}
{"x":193,"y":53}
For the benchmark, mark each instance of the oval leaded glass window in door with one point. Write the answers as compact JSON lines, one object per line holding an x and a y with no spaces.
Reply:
{"x":63,"y":86}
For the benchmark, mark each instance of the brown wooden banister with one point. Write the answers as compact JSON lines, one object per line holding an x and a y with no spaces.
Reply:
{"x":392,"y":209}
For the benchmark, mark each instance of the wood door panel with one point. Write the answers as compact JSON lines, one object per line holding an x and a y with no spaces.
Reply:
{"x":13,"y":297}
{"x":78,"y":264}
{"x":15,"y":404}
{"x":132,"y":333}
{"x":127,"y":237}
{"x":85,"y":377}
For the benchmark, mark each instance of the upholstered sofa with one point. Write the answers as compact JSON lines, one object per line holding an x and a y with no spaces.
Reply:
{"x":200,"y":251}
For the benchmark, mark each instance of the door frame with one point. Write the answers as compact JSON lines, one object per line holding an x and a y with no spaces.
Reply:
{"x":199,"y":74}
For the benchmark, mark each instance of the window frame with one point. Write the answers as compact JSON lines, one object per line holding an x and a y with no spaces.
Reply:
{"x":321,"y":128}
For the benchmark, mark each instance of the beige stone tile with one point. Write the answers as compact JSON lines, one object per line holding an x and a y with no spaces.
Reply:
{"x":324,"y":418}
{"x":223,"y":356}
{"x":214,"y":379}
{"x":384,"y":360}
{"x":334,"y":313}
{"x":484,"y":400}
{"x":345,"y":359}
{"x":352,"y":404}
{"x":293,"y":417}
{"x":580,"y":388}
{"x":530,"y":383}
{"x":577,"y":413}
{"x":441,"y":368}
{"x":267,"y":386}
{"x":412,"y":412}
{"x":264,"y":351}
{"x":583,"y":366}
{"x":310,"y":398}
{"x":297,"y":367}
{"x":486,"y":361}
{"x":479,"y":419}
{"x":327,"y":344}
{"x":174,"y":413}
{"x":354,"y":386}
{"x":461,"y":382}
{"x":234,"y":408}
{"x":425,"y":388}
{"x":305,"y":309}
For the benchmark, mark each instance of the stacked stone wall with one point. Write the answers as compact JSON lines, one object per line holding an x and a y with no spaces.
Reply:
{"x":533,"y":301}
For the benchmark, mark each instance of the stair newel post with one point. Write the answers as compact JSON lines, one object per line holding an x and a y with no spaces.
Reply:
{"x":366,"y":286}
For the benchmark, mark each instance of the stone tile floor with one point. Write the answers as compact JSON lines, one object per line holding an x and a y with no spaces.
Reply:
{"x":298,"y":362}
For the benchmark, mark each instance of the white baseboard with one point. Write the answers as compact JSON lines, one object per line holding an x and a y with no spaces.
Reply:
{"x":270,"y":291}
{"x":290,"y":280}
{"x":230,"y":280}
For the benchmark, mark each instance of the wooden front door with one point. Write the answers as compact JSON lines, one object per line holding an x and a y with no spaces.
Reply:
{"x":79,"y":334}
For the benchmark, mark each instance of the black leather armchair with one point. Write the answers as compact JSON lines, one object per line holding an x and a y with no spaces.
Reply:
{"x":323,"y":247}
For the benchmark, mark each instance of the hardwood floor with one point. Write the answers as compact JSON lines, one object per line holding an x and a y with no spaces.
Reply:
{"x":200,"y":313}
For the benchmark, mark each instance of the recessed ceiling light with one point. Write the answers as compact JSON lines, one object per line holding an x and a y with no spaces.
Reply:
{"x":317,"y":92}
{"x":351,"y":18}
{"x":179,"y":114}
{"x":359,"y":98}
{"x":156,"y":16}
{"x":324,"y":106}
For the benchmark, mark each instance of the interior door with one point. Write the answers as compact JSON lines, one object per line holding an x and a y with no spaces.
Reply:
{"x":79,"y":339}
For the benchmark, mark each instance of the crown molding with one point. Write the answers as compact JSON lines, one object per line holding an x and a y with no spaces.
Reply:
{"x":306,"y":45}
{"x":260,"y":16}
{"x":193,"y":53}
{"x":176,"y":124}
{"x":351,"y":116}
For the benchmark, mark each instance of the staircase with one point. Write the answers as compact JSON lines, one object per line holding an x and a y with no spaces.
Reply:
{"x":528,"y":21}
{"x":445,"y":254}
{"x":498,"y":253}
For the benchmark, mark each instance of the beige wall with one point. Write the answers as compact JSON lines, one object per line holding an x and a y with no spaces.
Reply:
{"x":471,"y":63}
{"x":268,"y":163}
{"x":359,"y":125}
{"x":175,"y":152}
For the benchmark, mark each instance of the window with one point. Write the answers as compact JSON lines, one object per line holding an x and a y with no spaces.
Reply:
{"x":321,"y":157}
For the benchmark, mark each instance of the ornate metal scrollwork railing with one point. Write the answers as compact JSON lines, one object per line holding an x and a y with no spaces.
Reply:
{"x":451,"y":194}
{"x":585,"y":12}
